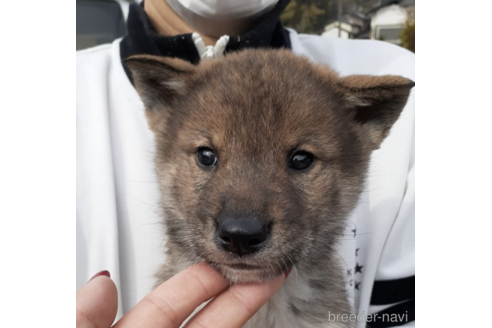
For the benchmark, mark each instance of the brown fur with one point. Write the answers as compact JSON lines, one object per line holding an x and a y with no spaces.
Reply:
{"x":255,"y":108}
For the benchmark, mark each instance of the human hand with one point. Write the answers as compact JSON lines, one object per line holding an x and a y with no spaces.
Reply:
{"x":172,"y":302}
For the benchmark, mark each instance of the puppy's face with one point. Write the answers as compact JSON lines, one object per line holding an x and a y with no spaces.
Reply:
{"x":261,"y":155}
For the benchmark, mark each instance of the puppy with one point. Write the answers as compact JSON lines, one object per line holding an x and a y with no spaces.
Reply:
{"x":261,"y":156}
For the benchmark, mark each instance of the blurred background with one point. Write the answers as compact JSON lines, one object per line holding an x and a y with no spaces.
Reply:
{"x":102,"y":21}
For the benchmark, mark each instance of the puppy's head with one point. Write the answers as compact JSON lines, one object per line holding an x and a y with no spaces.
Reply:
{"x":261,"y":155}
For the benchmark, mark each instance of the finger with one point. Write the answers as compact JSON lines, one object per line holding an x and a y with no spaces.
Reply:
{"x":97,"y":303}
{"x":235,"y":306}
{"x":173,"y":301}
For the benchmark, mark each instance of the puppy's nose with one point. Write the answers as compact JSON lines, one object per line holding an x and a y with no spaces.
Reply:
{"x":242,"y":236}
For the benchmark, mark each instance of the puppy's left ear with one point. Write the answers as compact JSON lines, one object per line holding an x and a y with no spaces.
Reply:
{"x":377,"y":102}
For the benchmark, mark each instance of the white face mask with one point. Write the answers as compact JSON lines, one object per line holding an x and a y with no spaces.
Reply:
{"x":220,"y":17}
{"x":225,"y":9}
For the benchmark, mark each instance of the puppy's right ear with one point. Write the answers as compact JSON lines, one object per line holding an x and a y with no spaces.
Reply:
{"x":160,"y":82}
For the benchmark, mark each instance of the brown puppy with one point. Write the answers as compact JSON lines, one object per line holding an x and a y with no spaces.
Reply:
{"x":261,"y":156}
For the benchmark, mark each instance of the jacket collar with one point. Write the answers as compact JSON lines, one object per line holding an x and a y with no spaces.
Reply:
{"x":142,"y":38}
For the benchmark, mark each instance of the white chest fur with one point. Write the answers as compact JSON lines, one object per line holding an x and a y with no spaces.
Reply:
{"x":278,"y":312}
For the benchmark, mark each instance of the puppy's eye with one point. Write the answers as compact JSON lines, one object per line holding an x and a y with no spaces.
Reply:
{"x":206,"y":158}
{"x":301,"y":160}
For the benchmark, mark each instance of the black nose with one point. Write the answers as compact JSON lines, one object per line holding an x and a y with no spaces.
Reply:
{"x":242,"y":236}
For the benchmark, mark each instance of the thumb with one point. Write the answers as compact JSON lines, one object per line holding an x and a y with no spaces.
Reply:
{"x":97,"y":302}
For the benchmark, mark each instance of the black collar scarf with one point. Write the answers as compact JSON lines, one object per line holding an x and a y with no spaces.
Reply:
{"x":142,"y":38}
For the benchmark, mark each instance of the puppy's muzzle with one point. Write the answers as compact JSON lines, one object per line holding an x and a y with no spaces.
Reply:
{"x":243,"y":236}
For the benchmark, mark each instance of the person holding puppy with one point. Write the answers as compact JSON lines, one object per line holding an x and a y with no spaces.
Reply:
{"x":118,"y":196}
{"x":172,"y":302}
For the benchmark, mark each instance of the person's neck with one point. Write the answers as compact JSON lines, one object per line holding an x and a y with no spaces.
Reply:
{"x":168,"y":23}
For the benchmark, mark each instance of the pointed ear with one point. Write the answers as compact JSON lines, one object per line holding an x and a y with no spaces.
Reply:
{"x":159,"y":81}
{"x":377,"y":101}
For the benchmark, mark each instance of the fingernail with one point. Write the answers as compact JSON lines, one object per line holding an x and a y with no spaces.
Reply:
{"x":288,"y":272}
{"x":101,"y":273}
